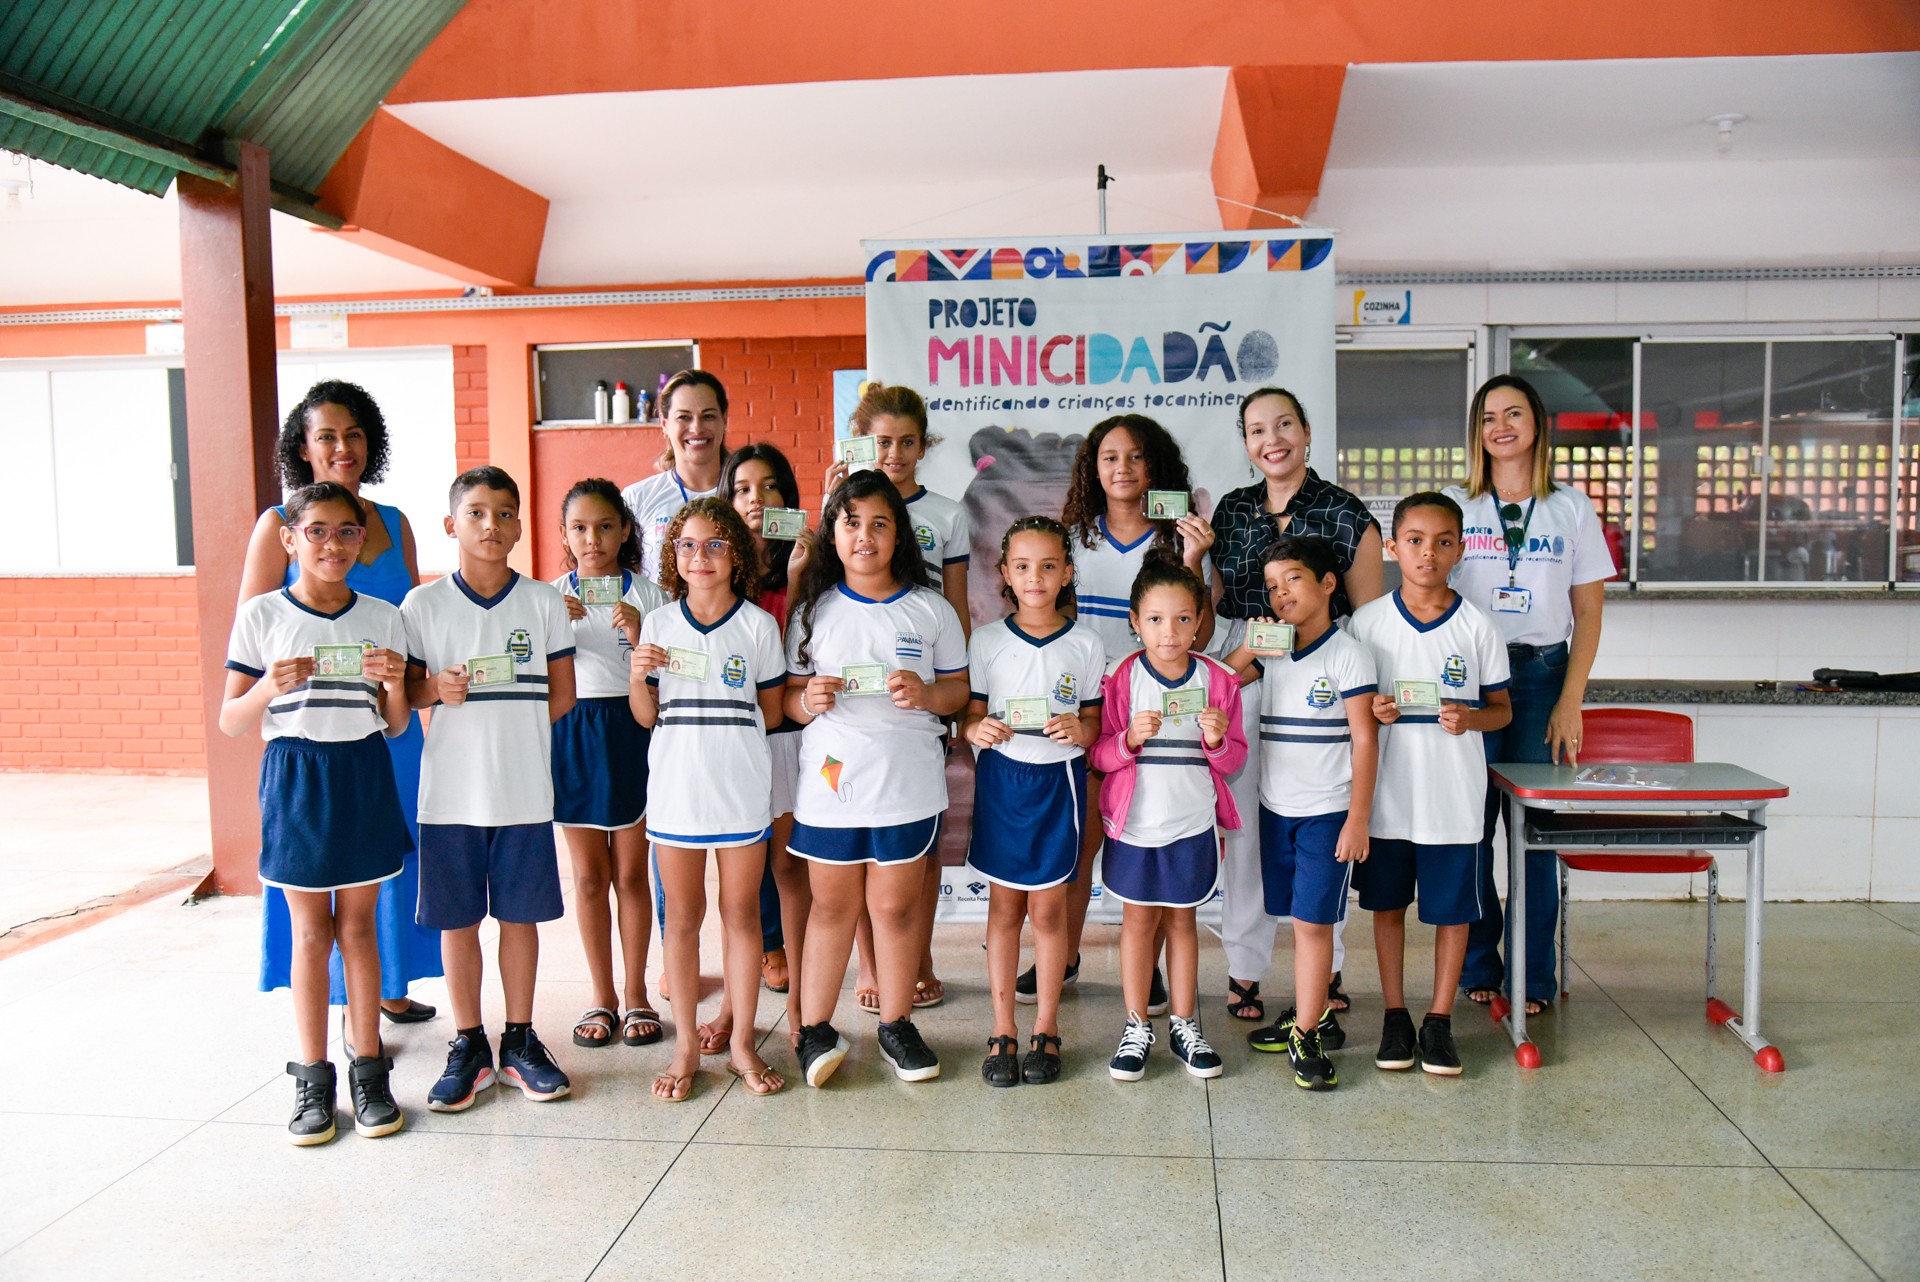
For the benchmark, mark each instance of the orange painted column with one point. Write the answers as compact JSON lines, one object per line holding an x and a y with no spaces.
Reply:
{"x":226,"y":299}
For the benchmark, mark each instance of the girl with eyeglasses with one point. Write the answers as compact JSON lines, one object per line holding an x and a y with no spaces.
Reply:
{"x":320,"y":669}
{"x":707,"y":679}
{"x":1536,"y":558}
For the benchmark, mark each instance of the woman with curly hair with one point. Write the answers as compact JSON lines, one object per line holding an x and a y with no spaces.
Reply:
{"x":706,"y":678}
{"x":336,"y":433}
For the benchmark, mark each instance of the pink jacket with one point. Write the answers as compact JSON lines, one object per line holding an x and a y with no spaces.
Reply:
{"x":1111,"y":754}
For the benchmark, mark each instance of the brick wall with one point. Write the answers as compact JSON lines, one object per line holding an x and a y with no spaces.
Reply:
{"x":780,"y":390}
{"x":100,"y":675}
{"x":469,"y":407}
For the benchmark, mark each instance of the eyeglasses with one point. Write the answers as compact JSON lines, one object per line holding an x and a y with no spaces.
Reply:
{"x":1513,"y":516}
{"x":347,"y":534}
{"x":715,"y":548}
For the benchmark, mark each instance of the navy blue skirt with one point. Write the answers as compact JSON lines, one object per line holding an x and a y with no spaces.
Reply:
{"x":599,"y":766}
{"x":329,"y":814}
{"x":1180,"y":874}
{"x":1026,"y":820}
{"x":893,"y":844}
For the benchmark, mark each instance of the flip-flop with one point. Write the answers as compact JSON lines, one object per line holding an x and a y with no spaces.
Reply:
{"x":712,"y":1040}
{"x":636,"y":1017}
{"x":764,"y":1075}
{"x":593,"y":1019}
{"x":677,"y":1093}
{"x":869,"y":999}
{"x":928,"y":992}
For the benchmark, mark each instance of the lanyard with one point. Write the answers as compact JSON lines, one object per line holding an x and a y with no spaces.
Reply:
{"x":1513,"y":549}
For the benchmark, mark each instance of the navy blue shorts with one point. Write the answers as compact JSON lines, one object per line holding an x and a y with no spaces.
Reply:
{"x":329,"y":814}
{"x":599,"y":766}
{"x":1026,"y":820}
{"x":1449,"y":891}
{"x":1302,"y":878}
{"x":895,"y":844}
{"x":1180,"y":874}
{"x":468,"y":874}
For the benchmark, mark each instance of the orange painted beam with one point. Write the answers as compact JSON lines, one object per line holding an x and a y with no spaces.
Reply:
{"x":415,"y":199}
{"x":1276,"y":124}
{"x":529,"y":48}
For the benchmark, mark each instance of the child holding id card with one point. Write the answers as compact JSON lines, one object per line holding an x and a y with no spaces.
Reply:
{"x":707,"y":678}
{"x":1179,"y":712}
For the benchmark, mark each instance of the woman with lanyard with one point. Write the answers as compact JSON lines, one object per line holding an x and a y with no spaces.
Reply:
{"x":1289,"y":498}
{"x":336,"y":433}
{"x":693,"y":418}
{"x":1535,"y":558}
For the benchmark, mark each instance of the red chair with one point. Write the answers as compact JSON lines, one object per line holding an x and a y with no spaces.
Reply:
{"x":1611,"y":735}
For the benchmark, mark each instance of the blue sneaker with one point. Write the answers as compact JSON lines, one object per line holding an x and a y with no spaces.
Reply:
{"x":469,"y":1071}
{"x":533,"y":1070}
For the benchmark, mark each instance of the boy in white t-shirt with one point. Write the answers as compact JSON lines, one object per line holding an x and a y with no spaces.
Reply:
{"x":1446,"y":656}
{"x":491,"y":652}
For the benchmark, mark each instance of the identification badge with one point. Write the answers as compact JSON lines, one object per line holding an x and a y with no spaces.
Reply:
{"x":691,"y":664}
{"x":1166,"y":505}
{"x":1027,"y":713}
{"x":337,"y":660}
{"x":1513,"y":600}
{"x":1270,"y":638}
{"x":864,"y":678}
{"x":784,"y":522}
{"x":490,"y":670}
{"x":1417,"y":694}
{"x":858,"y":452}
{"x":603,"y":590}
{"x":1183,"y":703}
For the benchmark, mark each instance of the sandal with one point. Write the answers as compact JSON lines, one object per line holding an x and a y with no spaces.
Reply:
{"x":1003,"y":1062}
{"x":769,"y":1081}
{"x":1042,"y":1065}
{"x":928,"y":992}
{"x":1245,"y":998}
{"x":678,"y":1088}
{"x":634,"y":1026}
{"x":598,"y":1017}
{"x":713,"y":1040}
{"x":869,"y":999}
{"x":773,"y":970}
{"x":1337,"y":999}
{"x":1482,"y":996}
{"x":1538,"y":1006}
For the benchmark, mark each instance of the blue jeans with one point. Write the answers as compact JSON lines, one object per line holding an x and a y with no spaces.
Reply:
{"x":1537,"y":682}
{"x":771,"y":934}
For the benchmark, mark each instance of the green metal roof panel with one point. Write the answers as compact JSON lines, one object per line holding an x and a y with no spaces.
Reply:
{"x":68,"y":152}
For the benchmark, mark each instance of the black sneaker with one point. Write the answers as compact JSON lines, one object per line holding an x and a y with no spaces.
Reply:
{"x":1437,"y":1053}
{"x":1312,"y":1070}
{"x":374,"y":1112}
{"x":1157,"y":995}
{"x":1129,"y":1063}
{"x":469,"y":1071}
{"x":820,"y":1052}
{"x":902,"y":1047}
{"x":1026,"y":989}
{"x":313,"y":1092}
{"x":1192,"y":1049}
{"x":1274,"y":1038}
{"x":1396,"y":1040}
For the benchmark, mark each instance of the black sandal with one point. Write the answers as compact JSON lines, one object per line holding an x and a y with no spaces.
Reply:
{"x":1003,"y":1062}
{"x":1242,"y":998}
{"x":1336,"y":996}
{"x":1042,"y":1065}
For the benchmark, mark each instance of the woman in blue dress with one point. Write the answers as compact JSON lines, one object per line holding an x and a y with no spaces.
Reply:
{"x":336,"y":433}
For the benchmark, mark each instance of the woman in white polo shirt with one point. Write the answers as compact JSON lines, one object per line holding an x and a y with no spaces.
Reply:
{"x":1536,"y":559}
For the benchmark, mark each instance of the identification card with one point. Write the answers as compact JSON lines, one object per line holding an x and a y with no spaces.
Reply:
{"x":1166,"y":505}
{"x":1028,"y":713}
{"x":1270,"y":638}
{"x":783,"y":522}
{"x":859,"y":451}
{"x":1513,"y":600}
{"x":603,"y":590}
{"x":490,"y":670}
{"x":1183,"y":703}
{"x":337,"y":660}
{"x":1417,"y":694}
{"x":691,"y":664}
{"x":864,"y":678}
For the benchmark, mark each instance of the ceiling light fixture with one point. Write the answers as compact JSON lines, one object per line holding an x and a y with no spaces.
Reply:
{"x":1724,"y":122}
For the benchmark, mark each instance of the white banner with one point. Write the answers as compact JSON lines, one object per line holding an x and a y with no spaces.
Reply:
{"x":1020,"y":347}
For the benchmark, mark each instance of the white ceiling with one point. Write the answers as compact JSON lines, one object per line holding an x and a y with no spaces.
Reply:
{"x":1442,"y":165}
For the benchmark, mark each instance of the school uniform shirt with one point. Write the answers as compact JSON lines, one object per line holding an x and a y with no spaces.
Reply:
{"x":488,"y":761}
{"x":1565,"y":547}
{"x":600,"y":650}
{"x":1103,"y":578}
{"x":1306,"y":745}
{"x":1173,"y":793}
{"x":1432,"y":785}
{"x":941,"y":529}
{"x":1005,"y":661}
{"x":325,"y":709}
{"x":709,"y":776}
{"x":865,"y":763}
{"x":654,"y":501}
